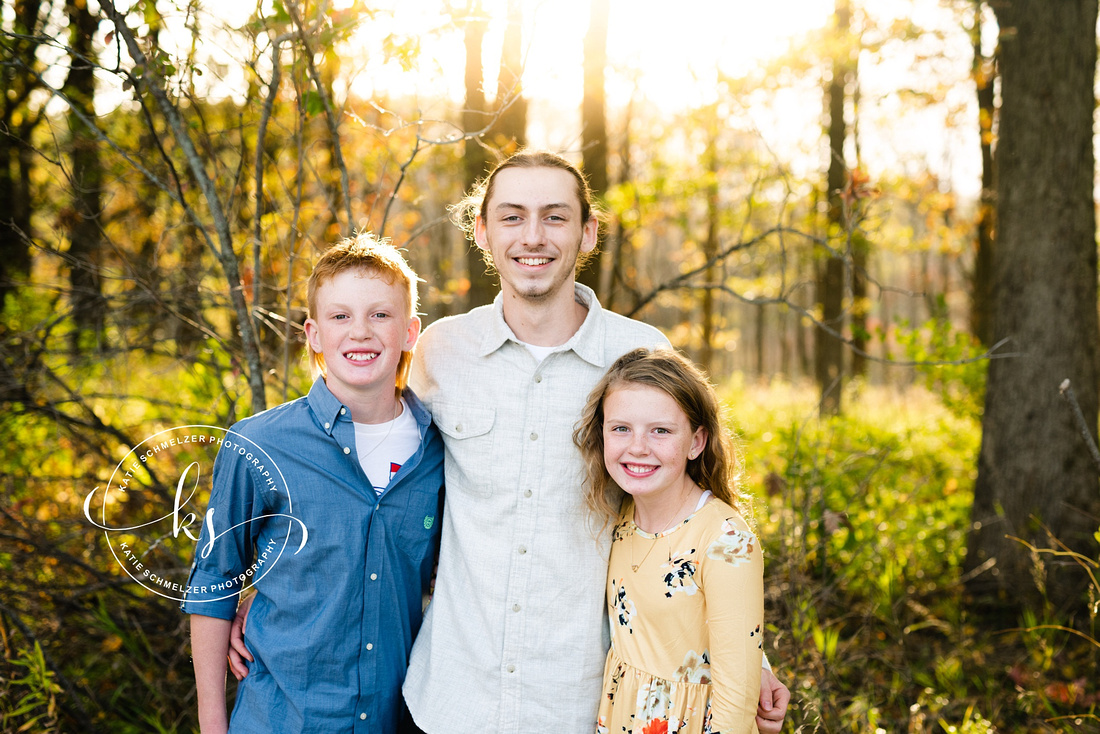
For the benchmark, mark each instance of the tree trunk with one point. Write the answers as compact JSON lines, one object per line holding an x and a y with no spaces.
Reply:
{"x":828,"y":350}
{"x":981,"y":295}
{"x":85,"y":237}
{"x":17,"y":54}
{"x":710,"y":251}
{"x":858,"y":244}
{"x":861,"y":305}
{"x":761,"y":343}
{"x":16,"y":162}
{"x":594,"y":119}
{"x":804,"y":330}
{"x":510,"y":131}
{"x":1034,"y":468}
{"x":618,"y":263}
{"x":482,"y":288}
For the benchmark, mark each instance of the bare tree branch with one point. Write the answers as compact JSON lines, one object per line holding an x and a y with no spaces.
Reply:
{"x":153,"y":83}
{"x":330,"y":115}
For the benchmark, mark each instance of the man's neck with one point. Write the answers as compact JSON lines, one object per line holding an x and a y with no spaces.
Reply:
{"x":547,"y":322}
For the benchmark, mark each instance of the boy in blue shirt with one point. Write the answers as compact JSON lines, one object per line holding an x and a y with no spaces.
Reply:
{"x":331,"y":625}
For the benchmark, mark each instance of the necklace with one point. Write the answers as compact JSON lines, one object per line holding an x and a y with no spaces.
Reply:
{"x":397,"y":414}
{"x":657,"y":536}
{"x":635,"y":566}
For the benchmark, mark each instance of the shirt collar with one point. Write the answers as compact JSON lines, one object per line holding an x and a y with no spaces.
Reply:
{"x":325,"y":405}
{"x":419,"y":413}
{"x":586,"y":342}
{"x":328,"y":409}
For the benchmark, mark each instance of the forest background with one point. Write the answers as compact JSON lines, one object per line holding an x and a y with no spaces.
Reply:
{"x":873,"y":223}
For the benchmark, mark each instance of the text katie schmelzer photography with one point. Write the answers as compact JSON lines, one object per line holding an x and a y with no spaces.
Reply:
{"x":149,"y":511}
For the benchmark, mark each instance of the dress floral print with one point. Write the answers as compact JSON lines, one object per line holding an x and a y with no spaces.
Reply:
{"x":686,"y":609}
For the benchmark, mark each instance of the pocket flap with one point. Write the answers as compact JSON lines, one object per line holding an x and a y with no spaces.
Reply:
{"x":462,"y":421}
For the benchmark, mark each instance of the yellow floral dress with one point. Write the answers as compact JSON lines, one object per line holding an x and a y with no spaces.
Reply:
{"x":686,"y":608}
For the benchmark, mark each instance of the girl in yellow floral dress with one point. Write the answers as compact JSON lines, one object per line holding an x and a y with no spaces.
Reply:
{"x":685,"y":587}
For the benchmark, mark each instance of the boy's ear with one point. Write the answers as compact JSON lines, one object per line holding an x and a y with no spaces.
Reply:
{"x":479,"y":233}
{"x":313,"y":336}
{"x":412,"y":334}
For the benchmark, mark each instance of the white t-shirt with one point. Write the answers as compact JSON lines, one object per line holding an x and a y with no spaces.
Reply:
{"x":384,"y":447}
{"x":539,"y":353}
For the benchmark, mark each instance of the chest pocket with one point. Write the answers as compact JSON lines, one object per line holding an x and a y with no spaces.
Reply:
{"x":422,"y":523}
{"x":468,"y":436}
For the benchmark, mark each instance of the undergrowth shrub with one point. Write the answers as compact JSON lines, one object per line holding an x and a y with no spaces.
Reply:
{"x":864,"y":520}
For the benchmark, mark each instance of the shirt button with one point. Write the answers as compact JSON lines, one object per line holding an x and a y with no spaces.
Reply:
{"x":515,"y":607}
{"x":374,"y":577}
{"x":538,"y":379}
{"x":534,"y":437}
{"x":511,"y":669}
{"x":328,"y":426}
{"x":526,"y":493}
{"x":458,"y":428}
{"x":343,"y":411}
{"x":522,"y":550}
{"x":347,"y":450}
{"x":362,"y":717}
{"x":370,"y":646}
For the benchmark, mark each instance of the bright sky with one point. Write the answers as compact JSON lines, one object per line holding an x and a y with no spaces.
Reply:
{"x":674,"y":50}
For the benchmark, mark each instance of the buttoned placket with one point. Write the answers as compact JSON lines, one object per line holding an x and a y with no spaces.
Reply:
{"x":365,"y":713}
{"x":535,"y":410}
{"x":370,"y":640}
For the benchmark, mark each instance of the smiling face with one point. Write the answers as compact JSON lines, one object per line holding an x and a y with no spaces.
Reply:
{"x":534,"y":230}
{"x":361,"y":326}
{"x":648,"y":442}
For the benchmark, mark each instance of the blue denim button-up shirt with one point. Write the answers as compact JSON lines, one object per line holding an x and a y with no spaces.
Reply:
{"x":332,"y":625}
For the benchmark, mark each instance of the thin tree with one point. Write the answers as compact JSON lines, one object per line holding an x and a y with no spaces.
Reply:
{"x":710,"y":244}
{"x":828,"y":349}
{"x":474,"y":158}
{"x":594,"y":118}
{"x":984,"y":72}
{"x":510,"y":130}
{"x":86,"y":179}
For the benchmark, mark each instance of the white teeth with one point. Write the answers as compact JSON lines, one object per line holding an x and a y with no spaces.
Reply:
{"x":361,"y":356}
{"x":640,"y":468}
{"x":532,"y":260}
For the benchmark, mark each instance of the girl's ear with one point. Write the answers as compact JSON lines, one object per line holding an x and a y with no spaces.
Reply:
{"x":698,"y":443}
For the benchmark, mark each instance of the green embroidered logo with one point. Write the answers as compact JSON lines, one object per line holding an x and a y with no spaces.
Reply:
{"x":429,"y":520}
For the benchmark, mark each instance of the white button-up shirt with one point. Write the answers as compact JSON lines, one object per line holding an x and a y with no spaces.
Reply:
{"x":516,"y":634}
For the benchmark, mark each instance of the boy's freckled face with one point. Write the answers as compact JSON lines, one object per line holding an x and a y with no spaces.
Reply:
{"x":361,"y":327}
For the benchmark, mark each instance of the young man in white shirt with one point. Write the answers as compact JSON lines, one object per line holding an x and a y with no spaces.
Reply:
{"x":515,"y":637}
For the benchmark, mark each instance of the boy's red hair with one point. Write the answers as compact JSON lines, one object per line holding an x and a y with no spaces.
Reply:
{"x":365,"y":252}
